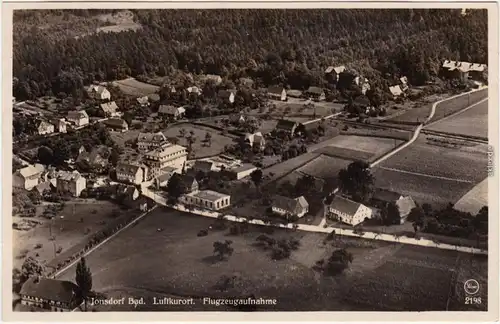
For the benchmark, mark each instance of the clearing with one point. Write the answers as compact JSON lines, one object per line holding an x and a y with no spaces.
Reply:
{"x":133,"y":87}
{"x":411,"y":278}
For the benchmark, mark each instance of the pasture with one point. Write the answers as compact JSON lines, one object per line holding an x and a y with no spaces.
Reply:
{"x":307,"y":109}
{"x":135,"y":88}
{"x":475,"y":199}
{"x":142,"y":262}
{"x":324,"y":167}
{"x":470,"y":122}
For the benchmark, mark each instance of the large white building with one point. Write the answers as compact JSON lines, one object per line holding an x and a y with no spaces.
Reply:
{"x":167,"y":155}
{"x":28,"y":177}
{"x":149,"y":141}
{"x":347,"y":211}
{"x":78,"y":118}
{"x":207,"y":199}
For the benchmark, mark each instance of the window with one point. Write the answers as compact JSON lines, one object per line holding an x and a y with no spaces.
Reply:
{"x":211,"y":205}
{"x":218,"y":203}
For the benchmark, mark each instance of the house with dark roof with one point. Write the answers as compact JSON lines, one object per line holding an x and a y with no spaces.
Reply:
{"x":109,"y":109}
{"x":286,"y":126}
{"x":78,"y":117}
{"x":347,"y":211}
{"x":149,"y":141}
{"x":171,"y":111}
{"x":284,"y":206}
{"x":98,"y":92}
{"x":294,"y":93}
{"x":131,"y":173}
{"x":333,"y":72}
{"x":227,"y":95}
{"x":203,"y":166}
{"x":316,"y":93}
{"x":405,"y":204}
{"x":50,"y":294}
{"x":96,"y":159}
{"x":277,"y":93}
{"x":188,"y":183}
{"x":116,"y":124}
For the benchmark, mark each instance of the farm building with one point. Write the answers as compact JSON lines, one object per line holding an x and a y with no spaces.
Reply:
{"x":131,"y":173}
{"x":149,"y":141}
{"x":116,"y":124}
{"x":56,"y":295}
{"x":404,"y":203}
{"x":309,"y":126}
{"x":78,"y":118}
{"x":240,"y":172}
{"x":277,"y":93}
{"x":294,"y":93}
{"x":98,"y":92}
{"x":28,"y":177}
{"x":171,"y":111}
{"x":316,"y":93}
{"x":109,"y":109}
{"x":227,"y":95}
{"x":255,"y":139}
{"x":283,"y":206}
{"x":286,"y":126}
{"x":45,"y":128}
{"x":167,"y":155}
{"x":61,"y":125}
{"x":347,"y":211}
{"x":208,"y":199}
{"x":333,"y":73}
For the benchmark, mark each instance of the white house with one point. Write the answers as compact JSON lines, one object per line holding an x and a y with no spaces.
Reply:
{"x":277,"y":93}
{"x":61,"y":126}
{"x":171,"y":111}
{"x":241,"y":172}
{"x":207,"y":199}
{"x":45,"y":128}
{"x":72,"y":182}
{"x":28,"y":177}
{"x":98,"y":92}
{"x":78,"y":118}
{"x":287,"y":206}
{"x":347,"y":211}
{"x":255,"y":139}
{"x":167,"y":155}
{"x":131,"y":173}
{"x":227,"y":95}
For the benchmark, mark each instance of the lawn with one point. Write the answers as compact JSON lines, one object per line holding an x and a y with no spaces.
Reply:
{"x":142,"y":262}
{"x":201,"y":149}
{"x":132,"y":87}
{"x":67,"y":228}
{"x":471,"y":122}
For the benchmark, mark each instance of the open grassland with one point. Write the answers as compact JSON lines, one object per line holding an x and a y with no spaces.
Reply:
{"x":132,"y":87}
{"x":471,"y":122}
{"x":142,"y":262}
{"x":475,"y":199}
{"x":200,"y":148}
{"x":324,"y":166}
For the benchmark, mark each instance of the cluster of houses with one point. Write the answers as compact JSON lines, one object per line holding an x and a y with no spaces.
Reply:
{"x":464,"y":70}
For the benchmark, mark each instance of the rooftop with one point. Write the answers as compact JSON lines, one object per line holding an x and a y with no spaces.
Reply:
{"x":209,"y":195}
{"x":49,"y":289}
{"x":345,"y":205}
{"x":244,"y":167}
{"x":166,"y":150}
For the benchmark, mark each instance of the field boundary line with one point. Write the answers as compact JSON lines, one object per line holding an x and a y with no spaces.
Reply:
{"x":457,"y":112}
{"x":59,"y":272}
{"x":426,"y":175}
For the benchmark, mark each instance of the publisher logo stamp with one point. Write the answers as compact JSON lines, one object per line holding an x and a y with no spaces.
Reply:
{"x":471,"y":286}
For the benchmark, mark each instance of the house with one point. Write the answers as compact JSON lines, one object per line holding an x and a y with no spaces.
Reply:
{"x":405,"y":203}
{"x":277,"y":93}
{"x":162,"y":180}
{"x":96,"y":159}
{"x":316,"y":93}
{"x":188,"y":183}
{"x":464,"y":70}
{"x":240,"y":172}
{"x":403,"y":83}
{"x":98,"y":92}
{"x":246,"y":82}
{"x":214,"y":78}
{"x":227,"y":95}
{"x":167,"y":155}
{"x":127,"y":194}
{"x":61,"y":125}
{"x":347,"y":211}
{"x":237,"y":119}
{"x":28,"y":177}
{"x":207,"y":199}
{"x":286,"y":126}
{"x":333,"y":73}
{"x":109,"y":109}
{"x":149,"y":141}
{"x":78,"y":118}
{"x":171,"y":111}
{"x":143,"y":101}
{"x":284,"y":206}
{"x":131,"y":173}
{"x":294,"y":93}
{"x":42,"y":187}
{"x":70,"y":182}
{"x":255,"y":139}
{"x":50,"y":294}
{"x":45,"y":128}
{"x":194,"y":90}
{"x":116,"y":124}
{"x":396,"y":91}
{"x":203,"y":166}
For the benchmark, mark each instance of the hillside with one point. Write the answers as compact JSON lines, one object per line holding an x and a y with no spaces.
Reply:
{"x":289,"y":47}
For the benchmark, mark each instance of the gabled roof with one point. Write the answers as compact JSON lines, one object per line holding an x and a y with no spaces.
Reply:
{"x":164,"y":177}
{"x":396,"y":90}
{"x":31,"y":170}
{"x":277,"y":90}
{"x":44,"y":124}
{"x":237,"y":117}
{"x":284,"y":124}
{"x":152,"y":137}
{"x":293,"y":206}
{"x":116,"y":122}
{"x":166,"y":149}
{"x":171,"y":110}
{"x":345,"y":205}
{"x":97,"y":88}
{"x":464,"y":66}
{"x":302,"y":202}
{"x":130,"y":169}
{"x":209,"y":195}
{"x":50,"y":289}
{"x":404,"y":80}
{"x":386,"y":195}
{"x":68,"y":176}
{"x":204,"y":166}
{"x":315,"y":90}
{"x":78,"y":114}
{"x":243,"y":168}
{"x":337,"y":69}
{"x":109,"y":107}
{"x":361,"y":100}
{"x":194,"y":90}
{"x":186,"y":181}
{"x":41,"y":187}
{"x":143,"y":100}
{"x":255,"y":137}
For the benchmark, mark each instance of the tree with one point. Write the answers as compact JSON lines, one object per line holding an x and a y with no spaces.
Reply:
{"x":114,"y":157}
{"x":427,"y":209}
{"x":256,"y":177}
{"x":208,"y":138}
{"x":221,"y":249}
{"x":338,"y":262}
{"x":45,"y":155}
{"x":356,"y":180}
{"x":390,"y":214}
{"x":31,"y":267}
{"x":83,"y":279}
{"x":174,"y":189}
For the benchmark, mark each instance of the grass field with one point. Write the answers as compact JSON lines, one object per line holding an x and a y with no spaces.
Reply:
{"x":132,"y":87}
{"x":475,"y":199}
{"x":141,"y":262}
{"x":295,"y":107}
{"x":67,"y":229}
{"x":324,"y":166}
{"x":471,"y":122}
{"x":200,"y":148}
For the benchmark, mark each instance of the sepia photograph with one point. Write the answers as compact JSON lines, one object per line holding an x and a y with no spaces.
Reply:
{"x":251,"y":160}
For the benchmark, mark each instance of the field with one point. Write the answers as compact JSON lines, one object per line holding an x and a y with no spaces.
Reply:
{"x":471,"y":122}
{"x":295,"y":107}
{"x":142,"y":262}
{"x":324,"y":166}
{"x":390,"y":133}
{"x":200,"y":148}
{"x":281,"y":169}
{"x":475,"y":199}
{"x":132,"y":87}
{"x":432,"y":173}
{"x":67,"y":229}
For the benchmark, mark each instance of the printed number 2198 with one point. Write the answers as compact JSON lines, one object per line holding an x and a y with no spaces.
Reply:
{"x":472,"y":300}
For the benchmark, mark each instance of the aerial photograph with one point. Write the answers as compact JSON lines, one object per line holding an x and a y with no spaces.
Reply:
{"x":229,"y":160}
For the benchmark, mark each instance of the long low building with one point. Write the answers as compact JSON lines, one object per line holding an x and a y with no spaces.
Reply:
{"x":208,"y":199}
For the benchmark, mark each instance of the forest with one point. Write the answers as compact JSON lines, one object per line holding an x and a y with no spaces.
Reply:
{"x":275,"y":47}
